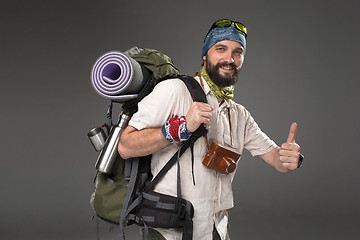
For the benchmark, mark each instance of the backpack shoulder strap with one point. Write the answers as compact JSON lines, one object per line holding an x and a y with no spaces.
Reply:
{"x":198,"y":95}
{"x":195,"y":89}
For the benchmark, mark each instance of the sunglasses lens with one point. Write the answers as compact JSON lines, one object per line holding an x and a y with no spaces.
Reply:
{"x":241,"y":27}
{"x":227,"y":23}
{"x":223,"y":23}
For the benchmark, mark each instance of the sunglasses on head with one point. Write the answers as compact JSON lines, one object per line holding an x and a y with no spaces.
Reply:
{"x":227,"y":23}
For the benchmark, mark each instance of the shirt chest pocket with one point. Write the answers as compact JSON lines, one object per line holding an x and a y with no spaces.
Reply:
{"x":227,"y":118}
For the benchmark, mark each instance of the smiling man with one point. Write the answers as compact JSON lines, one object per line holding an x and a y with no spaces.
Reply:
{"x":230,"y":127}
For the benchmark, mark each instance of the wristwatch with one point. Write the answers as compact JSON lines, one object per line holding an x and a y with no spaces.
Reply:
{"x":301,"y":158}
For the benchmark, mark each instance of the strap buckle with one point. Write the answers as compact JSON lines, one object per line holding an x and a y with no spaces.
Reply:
{"x":136,"y":219}
{"x":181,"y":210}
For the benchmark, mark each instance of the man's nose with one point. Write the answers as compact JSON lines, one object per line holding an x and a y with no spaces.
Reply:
{"x":228,"y":57}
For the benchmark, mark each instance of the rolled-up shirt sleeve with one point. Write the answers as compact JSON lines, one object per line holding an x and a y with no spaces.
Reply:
{"x":255,"y":140}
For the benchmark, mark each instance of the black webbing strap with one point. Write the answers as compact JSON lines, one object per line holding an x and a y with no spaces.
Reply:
{"x":109,"y":114}
{"x":178,"y":176}
{"x":192,"y":162}
{"x":134,"y":170}
{"x":198,"y":133}
{"x":188,"y":228}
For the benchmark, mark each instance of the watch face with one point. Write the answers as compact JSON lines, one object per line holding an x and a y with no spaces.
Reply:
{"x":301,"y":157}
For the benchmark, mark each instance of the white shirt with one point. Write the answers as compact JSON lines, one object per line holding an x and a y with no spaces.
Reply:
{"x":212,"y":193}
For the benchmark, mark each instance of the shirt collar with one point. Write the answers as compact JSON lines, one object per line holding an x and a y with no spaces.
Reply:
{"x":204,"y":84}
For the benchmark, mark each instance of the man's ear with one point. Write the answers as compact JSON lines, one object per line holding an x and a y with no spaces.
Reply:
{"x":204,"y":57}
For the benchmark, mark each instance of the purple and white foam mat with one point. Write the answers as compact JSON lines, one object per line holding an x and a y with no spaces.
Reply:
{"x":118,"y":77}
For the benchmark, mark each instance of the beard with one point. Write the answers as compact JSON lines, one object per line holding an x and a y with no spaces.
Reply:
{"x":217,"y":78}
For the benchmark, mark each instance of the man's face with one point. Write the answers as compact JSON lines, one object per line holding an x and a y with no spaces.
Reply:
{"x":223,"y":62}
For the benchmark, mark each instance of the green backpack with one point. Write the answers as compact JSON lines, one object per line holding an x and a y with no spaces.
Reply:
{"x":109,"y":188}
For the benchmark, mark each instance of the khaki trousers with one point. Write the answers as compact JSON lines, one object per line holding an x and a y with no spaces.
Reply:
{"x":155,"y":235}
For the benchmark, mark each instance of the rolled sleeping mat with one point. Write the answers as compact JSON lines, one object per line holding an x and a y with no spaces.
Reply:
{"x":118,"y":77}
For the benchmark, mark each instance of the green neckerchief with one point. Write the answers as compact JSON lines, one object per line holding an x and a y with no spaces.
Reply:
{"x":220,"y":93}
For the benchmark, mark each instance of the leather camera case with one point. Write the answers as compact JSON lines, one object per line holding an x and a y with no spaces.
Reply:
{"x":221,"y":159}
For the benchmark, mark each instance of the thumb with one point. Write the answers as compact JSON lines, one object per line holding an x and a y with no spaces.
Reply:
{"x":292,"y":133}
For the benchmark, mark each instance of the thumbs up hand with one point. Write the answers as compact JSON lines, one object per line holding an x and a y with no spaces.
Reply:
{"x":290,"y":151}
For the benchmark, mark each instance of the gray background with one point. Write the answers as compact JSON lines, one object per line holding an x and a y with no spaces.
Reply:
{"x":301,"y":65}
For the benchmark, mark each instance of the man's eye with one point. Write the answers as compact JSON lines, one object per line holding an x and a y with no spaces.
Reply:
{"x":239,"y":52}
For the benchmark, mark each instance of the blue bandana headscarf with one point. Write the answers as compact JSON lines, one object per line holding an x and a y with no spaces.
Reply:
{"x":222,"y":33}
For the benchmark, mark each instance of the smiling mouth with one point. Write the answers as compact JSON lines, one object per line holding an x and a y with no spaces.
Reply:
{"x":227,"y":69}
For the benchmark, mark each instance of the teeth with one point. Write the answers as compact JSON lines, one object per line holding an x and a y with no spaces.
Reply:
{"x":227,"y":68}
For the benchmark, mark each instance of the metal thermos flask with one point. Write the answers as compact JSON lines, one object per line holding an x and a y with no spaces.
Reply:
{"x":109,"y":152}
